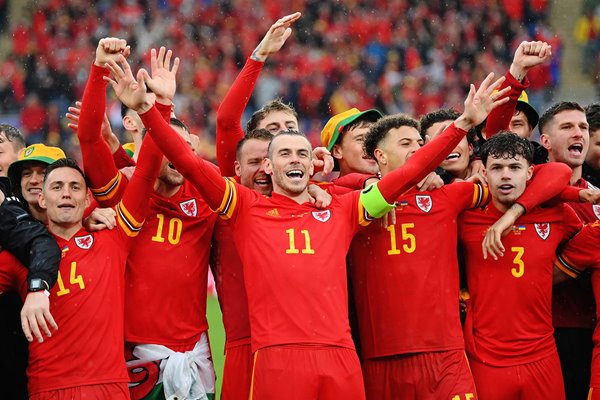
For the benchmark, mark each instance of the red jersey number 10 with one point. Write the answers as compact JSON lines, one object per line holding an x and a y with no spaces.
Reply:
{"x":174,"y":232}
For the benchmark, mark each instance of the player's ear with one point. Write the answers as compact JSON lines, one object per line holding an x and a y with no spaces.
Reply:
{"x":336,"y":152}
{"x":267,"y":166}
{"x":529,"y":171}
{"x":470,"y":150}
{"x":88,"y":199}
{"x":238,"y":168}
{"x":129,"y":124}
{"x":545,"y":141}
{"x":380,"y":156}
{"x":42,"y":200}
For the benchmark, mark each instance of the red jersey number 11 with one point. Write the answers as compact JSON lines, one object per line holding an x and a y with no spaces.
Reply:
{"x":292,"y":237}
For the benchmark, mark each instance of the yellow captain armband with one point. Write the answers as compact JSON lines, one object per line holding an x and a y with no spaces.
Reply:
{"x":374,"y":202}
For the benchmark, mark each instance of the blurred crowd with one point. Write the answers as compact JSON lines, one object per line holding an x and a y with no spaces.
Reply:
{"x":407,"y":56}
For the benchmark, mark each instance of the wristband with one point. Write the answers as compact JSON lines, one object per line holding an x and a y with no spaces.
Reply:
{"x":374,"y":202}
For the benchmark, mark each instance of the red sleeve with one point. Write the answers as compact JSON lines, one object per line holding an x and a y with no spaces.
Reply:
{"x":569,"y":195}
{"x":354,"y":181}
{"x":106,"y":182}
{"x":581,"y":251}
{"x":420,"y":164}
{"x":165,"y":111}
{"x":499,"y":118}
{"x":202,"y":174}
{"x":133,"y":208}
{"x":13,"y":276}
{"x":229,"y":115}
{"x":548,"y":181}
{"x":122,"y":159}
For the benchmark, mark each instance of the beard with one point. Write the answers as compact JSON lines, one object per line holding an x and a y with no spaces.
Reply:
{"x":171,"y":177}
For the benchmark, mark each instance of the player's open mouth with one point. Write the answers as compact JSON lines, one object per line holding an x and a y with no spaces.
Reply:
{"x":576,"y":149}
{"x":505,"y":189}
{"x":262,"y":182}
{"x":453,"y":156}
{"x":295,"y":174}
{"x":66,"y":206}
{"x":172,"y":166}
{"x":34,"y":190}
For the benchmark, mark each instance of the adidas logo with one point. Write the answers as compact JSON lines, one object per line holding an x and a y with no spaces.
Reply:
{"x":273,"y":213}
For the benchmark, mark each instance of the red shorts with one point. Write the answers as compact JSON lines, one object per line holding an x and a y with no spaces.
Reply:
{"x":299,"y":372}
{"x":237,"y":373}
{"x":431,"y":375}
{"x":594,"y":393}
{"x":113,"y":391}
{"x":540,"y":379}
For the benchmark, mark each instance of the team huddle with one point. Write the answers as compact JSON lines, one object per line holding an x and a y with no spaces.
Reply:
{"x":343,"y":288}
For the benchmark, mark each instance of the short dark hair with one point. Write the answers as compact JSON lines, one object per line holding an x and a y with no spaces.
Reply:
{"x":506,"y":144}
{"x":289,"y":132}
{"x":446,"y":114}
{"x":257,"y":134}
{"x":592,"y":114}
{"x":172,"y":121}
{"x":179,"y":123}
{"x":273,"y":105}
{"x":65,"y":163}
{"x":124,"y":110}
{"x":380,"y":129}
{"x":364,"y":121}
{"x":555,"y":109}
{"x":14,"y":136}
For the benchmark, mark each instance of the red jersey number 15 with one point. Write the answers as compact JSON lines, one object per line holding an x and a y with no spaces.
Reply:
{"x":409,"y":240}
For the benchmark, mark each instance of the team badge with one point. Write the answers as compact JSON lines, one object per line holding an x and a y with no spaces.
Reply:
{"x":424,"y":203}
{"x":84,"y":242}
{"x":29,"y":151}
{"x":189,"y":208}
{"x":596,"y":208}
{"x":543,"y":230}
{"x":322,"y":216}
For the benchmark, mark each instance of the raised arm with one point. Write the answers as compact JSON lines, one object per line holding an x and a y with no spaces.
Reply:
{"x":477,"y":106}
{"x":527,"y":56}
{"x":107,"y":183}
{"x":132,"y":209}
{"x":199,"y":172}
{"x":229,"y":115}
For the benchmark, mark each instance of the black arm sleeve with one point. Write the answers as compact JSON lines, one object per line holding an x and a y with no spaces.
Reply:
{"x":29,"y":241}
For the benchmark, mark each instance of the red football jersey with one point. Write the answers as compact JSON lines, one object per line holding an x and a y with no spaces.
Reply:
{"x":167,"y":270}
{"x":229,"y":278}
{"x":87,"y":305}
{"x":87,"y":301}
{"x":580,"y":253}
{"x":13,"y":275}
{"x":296,"y":286}
{"x":573,"y":303}
{"x":405,"y":276}
{"x":509,"y":316}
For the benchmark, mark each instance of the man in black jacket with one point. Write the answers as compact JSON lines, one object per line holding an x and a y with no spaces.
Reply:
{"x":31,"y":243}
